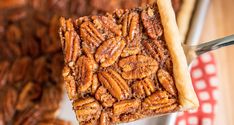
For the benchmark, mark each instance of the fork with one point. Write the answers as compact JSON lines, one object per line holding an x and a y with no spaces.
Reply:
{"x":193,"y":51}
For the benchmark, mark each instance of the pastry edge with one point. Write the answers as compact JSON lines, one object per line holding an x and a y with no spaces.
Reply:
{"x":187,"y":95}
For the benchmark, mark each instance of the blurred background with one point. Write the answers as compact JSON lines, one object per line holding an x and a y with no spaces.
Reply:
{"x":219,"y":22}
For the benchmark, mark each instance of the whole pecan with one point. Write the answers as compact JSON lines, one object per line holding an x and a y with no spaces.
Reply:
{"x":138,"y":66}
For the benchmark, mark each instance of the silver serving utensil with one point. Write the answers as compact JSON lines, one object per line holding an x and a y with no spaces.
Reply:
{"x":193,"y":51}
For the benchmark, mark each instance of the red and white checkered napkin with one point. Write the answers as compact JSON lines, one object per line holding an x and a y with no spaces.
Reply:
{"x":205,"y":83}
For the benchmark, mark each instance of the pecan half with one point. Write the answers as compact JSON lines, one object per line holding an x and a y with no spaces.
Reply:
{"x":159,"y":102}
{"x":131,"y":31}
{"x":87,"y":109}
{"x":70,"y":41}
{"x":70,"y":84}
{"x":109,"y":22}
{"x":110,"y":51}
{"x":84,"y":73}
{"x":104,"y":97}
{"x":126,"y":106}
{"x":90,"y":36}
{"x":156,"y":50}
{"x":143,"y":88}
{"x":152,"y":23}
{"x":167,"y":81}
{"x":115,"y":84}
{"x":154,"y":98}
{"x":95,"y":84}
{"x":104,"y":119}
{"x":138,"y":66}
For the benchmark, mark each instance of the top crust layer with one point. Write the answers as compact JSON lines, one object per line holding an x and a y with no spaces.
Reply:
{"x":187,"y":96}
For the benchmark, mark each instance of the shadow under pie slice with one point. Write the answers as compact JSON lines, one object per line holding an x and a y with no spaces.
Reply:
{"x":109,"y":87}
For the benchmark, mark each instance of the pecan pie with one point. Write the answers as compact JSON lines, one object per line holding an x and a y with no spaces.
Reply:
{"x":125,"y":66}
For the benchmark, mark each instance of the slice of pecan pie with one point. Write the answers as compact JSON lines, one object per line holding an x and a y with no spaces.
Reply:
{"x":126,"y":65}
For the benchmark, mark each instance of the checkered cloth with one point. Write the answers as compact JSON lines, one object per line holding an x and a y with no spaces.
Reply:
{"x":205,"y":83}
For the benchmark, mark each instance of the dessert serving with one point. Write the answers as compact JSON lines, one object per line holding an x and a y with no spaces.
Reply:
{"x":125,"y":66}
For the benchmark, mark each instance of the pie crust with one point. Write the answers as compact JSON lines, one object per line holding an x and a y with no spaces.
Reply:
{"x":187,"y":96}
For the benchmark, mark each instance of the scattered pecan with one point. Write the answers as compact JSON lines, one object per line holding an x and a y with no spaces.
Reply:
{"x":152,"y":23}
{"x":51,"y":97}
{"x":8,"y":102}
{"x":26,"y":96}
{"x":87,"y":109}
{"x":40,"y":73}
{"x":167,"y":81}
{"x":126,"y":106}
{"x":56,"y":67}
{"x":137,"y":66}
{"x":29,"y":116}
{"x":30,"y":47}
{"x":110,"y":51}
{"x":20,"y":69}
{"x":13,"y":33}
{"x":143,"y":88}
{"x":84,"y":73}
{"x":115,"y":84}
{"x":104,"y":97}
{"x":90,"y":36}
{"x":70,"y":41}
{"x":4,"y":68}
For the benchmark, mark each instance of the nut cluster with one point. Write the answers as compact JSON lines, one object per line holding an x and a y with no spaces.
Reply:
{"x":118,"y":67}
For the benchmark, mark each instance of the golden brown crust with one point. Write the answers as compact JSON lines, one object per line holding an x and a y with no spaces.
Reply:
{"x":184,"y":16}
{"x":187,"y":96}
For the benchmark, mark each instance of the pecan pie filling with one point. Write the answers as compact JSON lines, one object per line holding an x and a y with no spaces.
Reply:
{"x":118,"y":67}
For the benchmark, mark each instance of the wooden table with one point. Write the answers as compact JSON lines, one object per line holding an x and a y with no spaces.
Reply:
{"x":220,"y":22}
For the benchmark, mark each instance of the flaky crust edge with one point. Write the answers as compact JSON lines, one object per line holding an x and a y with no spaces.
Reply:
{"x":184,"y":16}
{"x":187,"y":95}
